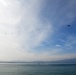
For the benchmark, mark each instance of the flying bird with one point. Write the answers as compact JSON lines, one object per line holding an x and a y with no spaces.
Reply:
{"x":68,"y":25}
{"x":12,"y":33}
{"x":5,"y":33}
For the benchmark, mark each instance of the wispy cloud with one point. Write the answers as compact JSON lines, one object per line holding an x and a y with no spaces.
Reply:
{"x":71,"y":40}
{"x":23,"y":28}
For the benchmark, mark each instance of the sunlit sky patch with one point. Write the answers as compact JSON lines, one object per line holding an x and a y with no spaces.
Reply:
{"x":32,"y":30}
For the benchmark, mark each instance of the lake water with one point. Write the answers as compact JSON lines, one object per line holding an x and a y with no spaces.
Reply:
{"x":24,"y":69}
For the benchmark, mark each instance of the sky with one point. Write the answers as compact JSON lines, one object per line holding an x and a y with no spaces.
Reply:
{"x":37,"y":30}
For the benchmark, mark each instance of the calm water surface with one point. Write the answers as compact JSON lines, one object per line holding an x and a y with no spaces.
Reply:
{"x":23,"y":69}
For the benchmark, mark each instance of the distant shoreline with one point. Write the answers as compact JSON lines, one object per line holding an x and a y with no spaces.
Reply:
{"x":37,"y":63}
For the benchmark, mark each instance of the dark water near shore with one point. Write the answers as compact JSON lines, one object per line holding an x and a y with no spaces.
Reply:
{"x":24,"y":69}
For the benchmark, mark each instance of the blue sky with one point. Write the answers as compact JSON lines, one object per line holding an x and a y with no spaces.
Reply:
{"x":33,"y":30}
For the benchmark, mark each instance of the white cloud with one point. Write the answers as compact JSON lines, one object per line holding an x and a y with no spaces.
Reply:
{"x":58,"y":45}
{"x":22,"y":29}
{"x":32,"y":31}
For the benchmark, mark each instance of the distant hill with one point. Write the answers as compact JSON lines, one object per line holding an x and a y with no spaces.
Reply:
{"x":65,"y":61}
